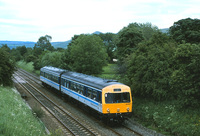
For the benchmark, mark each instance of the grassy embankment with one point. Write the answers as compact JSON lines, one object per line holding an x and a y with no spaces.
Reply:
{"x":15,"y":116}
{"x":28,"y":67}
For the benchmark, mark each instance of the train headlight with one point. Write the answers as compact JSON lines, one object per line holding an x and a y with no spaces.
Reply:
{"x":128,"y":109}
{"x":108,"y":110}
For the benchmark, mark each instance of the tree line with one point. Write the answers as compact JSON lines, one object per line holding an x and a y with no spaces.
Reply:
{"x":164,"y":66}
{"x":160,"y":66}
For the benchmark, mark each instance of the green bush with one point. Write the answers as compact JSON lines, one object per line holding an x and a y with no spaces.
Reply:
{"x":185,"y":79}
{"x":149,"y":68}
{"x":162,"y":71}
{"x":166,"y":118}
{"x":7,"y":68}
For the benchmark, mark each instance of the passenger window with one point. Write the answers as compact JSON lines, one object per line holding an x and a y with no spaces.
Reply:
{"x":94,"y":97}
{"x":72,"y":86}
{"x":64,"y":82}
{"x":85,"y":91}
{"x":75,"y":87}
{"x":68,"y":84}
{"x":81,"y":89}
{"x":89,"y":92}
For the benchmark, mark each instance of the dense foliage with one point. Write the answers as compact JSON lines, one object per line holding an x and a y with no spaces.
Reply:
{"x":127,"y":40}
{"x":129,"y":37}
{"x":108,"y":40}
{"x":7,"y":68}
{"x":167,"y":118}
{"x":44,"y":43}
{"x":149,"y":68}
{"x":187,"y":30}
{"x":51,"y":59}
{"x":185,"y":81}
{"x":86,"y":54}
{"x":41,"y":47}
{"x":162,"y":69}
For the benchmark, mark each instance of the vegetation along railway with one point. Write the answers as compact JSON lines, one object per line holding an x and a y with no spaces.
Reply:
{"x":31,"y":81}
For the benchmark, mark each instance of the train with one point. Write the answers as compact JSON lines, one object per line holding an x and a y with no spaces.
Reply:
{"x":111,"y":99}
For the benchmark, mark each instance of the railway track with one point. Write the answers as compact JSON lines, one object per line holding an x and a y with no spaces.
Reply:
{"x":123,"y":130}
{"x":73,"y":126}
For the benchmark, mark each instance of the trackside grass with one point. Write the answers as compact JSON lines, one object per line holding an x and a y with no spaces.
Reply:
{"x":16,"y":119}
{"x":27,"y":66}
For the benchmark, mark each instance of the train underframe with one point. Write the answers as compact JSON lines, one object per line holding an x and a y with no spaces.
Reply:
{"x":116,"y":117}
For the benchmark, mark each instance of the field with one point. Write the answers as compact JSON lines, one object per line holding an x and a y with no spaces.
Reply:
{"x":16,"y":117}
{"x":109,"y":72}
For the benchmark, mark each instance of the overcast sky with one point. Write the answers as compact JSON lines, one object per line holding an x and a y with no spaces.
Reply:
{"x":28,"y":20}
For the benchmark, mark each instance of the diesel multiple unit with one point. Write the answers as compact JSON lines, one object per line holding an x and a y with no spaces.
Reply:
{"x":111,"y":99}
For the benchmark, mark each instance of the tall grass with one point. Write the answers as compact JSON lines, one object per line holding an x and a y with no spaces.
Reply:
{"x":28,"y":67}
{"x":15,"y":116}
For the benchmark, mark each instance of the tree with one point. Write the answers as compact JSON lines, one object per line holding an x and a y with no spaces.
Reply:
{"x":51,"y":59}
{"x":5,"y":47}
{"x":187,"y":30}
{"x":108,"y":40}
{"x":7,"y":68}
{"x":150,"y":66}
{"x":148,"y":30}
{"x":30,"y":58}
{"x":185,"y":77}
{"x":37,"y":51}
{"x":16,"y":55}
{"x":128,"y":38}
{"x":22,"y":50}
{"x":86,"y":55}
{"x":44,"y":43}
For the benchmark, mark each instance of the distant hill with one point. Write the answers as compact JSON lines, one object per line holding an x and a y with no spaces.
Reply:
{"x":97,"y":32}
{"x":14,"y":44}
{"x":60,"y":44}
{"x":164,"y":30}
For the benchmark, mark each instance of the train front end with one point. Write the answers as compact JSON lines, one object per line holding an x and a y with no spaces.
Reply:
{"x":116,"y":102}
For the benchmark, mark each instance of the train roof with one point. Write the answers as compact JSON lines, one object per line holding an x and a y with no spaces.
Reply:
{"x":58,"y":71}
{"x":95,"y":82}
